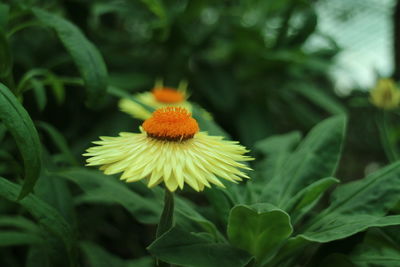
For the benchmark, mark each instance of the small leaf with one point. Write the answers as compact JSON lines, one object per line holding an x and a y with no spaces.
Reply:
{"x":259,"y":229}
{"x":18,"y":122}
{"x":85,"y":55}
{"x":194,"y":250}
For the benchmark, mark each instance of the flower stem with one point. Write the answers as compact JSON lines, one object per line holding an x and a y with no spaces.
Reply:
{"x":384,"y":133}
{"x":167,"y":216}
{"x":166,"y":220}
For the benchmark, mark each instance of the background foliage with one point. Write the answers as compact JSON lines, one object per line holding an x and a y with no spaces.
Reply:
{"x":65,"y":64}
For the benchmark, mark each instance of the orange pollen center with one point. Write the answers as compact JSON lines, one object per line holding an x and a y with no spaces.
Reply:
{"x":168,"y":95}
{"x":172,"y":124}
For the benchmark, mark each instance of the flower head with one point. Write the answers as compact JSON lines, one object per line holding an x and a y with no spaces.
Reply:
{"x":385,"y":95}
{"x":170,"y":149}
{"x":159,"y":97}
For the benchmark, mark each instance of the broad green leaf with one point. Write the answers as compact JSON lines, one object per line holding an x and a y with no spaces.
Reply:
{"x":47,"y":217}
{"x":377,"y":249}
{"x":317,"y":156}
{"x":288,"y":252}
{"x":99,"y":257}
{"x":337,"y":226}
{"x":17,"y":238}
{"x":304,"y":200}
{"x":85,"y":55}
{"x":358,"y":205}
{"x":5,"y":56}
{"x":18,"y":122}
{"x":259,"y":229}
{"x":276,"y":150}
{"x":195,"y":250}
{"x":374,"y":195}
{"x":100,"y":188}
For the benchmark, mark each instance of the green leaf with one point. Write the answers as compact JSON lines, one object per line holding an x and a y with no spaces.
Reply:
{"x":115,"y":91}
{"x":276,"y":150}
{"x":375,"y":195}
{"x":18,"y":122}
{"x":378,"y":249}
{"x":316,"y":157}
{"x":59,"y":141}
{"x":259,"y":229}
{"x":278,"y":143}
{"x":18,"y":222}
{"x":206,"y":122}
{"x":40,"y":93}
{"x":187,"y":211}
{"x":338,"y":226}
{"x":6,"y":61}
{"x":336,"y":259}
{"x":16,"y":238}
{"x":304,"y":200}
{"x":98,"y":257}
{"x":85,"y":55}
{"x":4,"y":13}
{"x":55,"y":192}
{"x":100,"y":188}
{"x":47,"y":217}
{"x":358,"y":205}
{"x":321,"y":99}
{"x":195,"y":250}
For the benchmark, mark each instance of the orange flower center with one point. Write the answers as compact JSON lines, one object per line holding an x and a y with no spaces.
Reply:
{"x":168,"y":95}
{"x":172,"y":124}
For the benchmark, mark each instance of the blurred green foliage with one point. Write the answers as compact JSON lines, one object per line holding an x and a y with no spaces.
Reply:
{"x":63,"y":66}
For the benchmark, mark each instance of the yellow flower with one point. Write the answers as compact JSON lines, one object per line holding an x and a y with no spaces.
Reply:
{"x":385,"y":94}
{"x":170,"y":149}
{"x":159,"y":97}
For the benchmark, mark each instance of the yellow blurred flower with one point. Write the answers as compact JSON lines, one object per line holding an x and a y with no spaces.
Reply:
{"x":385,"y":95}
{"x":159,"y":97}
{"x":170,"y":149}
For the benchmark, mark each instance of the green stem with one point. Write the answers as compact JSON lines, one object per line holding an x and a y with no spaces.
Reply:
{"x":166,"y":220}
{"x":167,"y":216}
{"x":384,"y":133}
